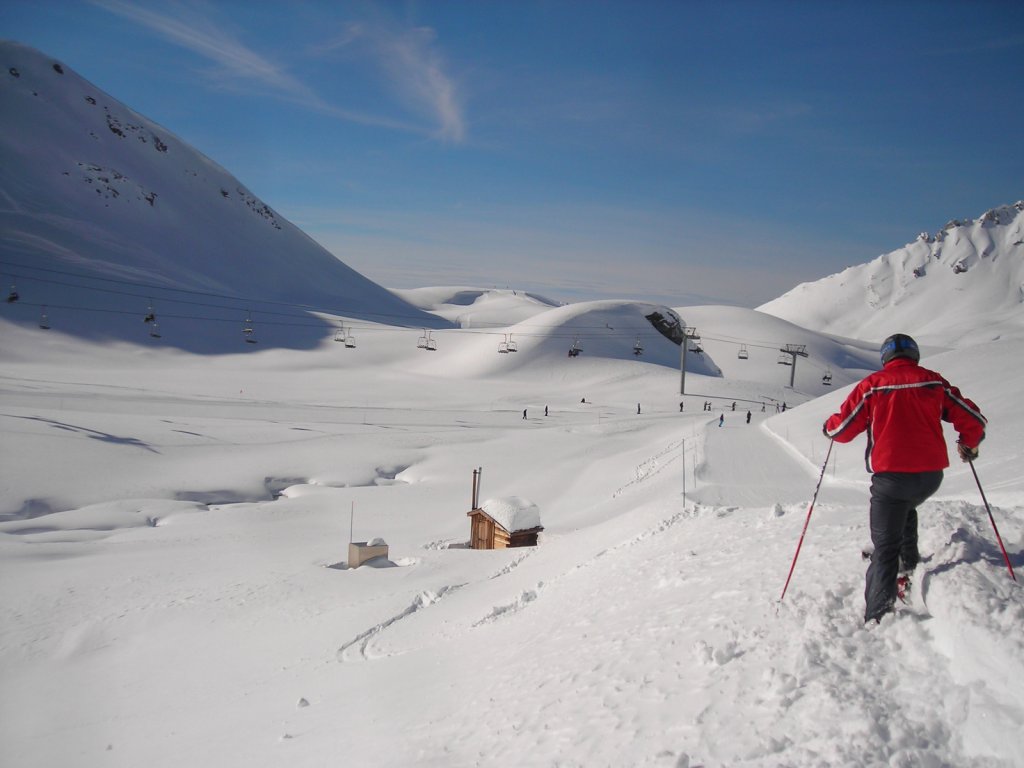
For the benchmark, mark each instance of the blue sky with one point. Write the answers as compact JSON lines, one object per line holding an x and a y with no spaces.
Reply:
{"x":685,"y":152}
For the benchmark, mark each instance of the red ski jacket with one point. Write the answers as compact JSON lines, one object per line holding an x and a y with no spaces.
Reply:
{"x":901,"y":408}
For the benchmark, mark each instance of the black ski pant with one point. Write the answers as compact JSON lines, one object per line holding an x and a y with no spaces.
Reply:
{"x":895,"y":497}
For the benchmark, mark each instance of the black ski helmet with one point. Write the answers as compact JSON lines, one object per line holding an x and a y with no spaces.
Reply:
{"x":899,"y":345}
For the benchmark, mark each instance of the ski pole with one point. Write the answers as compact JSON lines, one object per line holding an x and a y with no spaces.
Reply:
{"x":993,"y":521}
{"x":800,"y":543}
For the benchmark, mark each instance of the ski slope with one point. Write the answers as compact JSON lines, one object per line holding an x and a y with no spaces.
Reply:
{"x":174,"y":589}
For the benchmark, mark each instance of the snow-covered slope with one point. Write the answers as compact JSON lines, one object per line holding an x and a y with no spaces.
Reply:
{"x":104,"y":213}
{"x":470,"y":307}
{"x":174,"y":589}
{"x":964,"y":284}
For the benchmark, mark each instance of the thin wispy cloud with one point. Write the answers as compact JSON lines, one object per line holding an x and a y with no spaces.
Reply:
{"x":414,"y":70}
{"x":234,"y":62}
{"x":199,"y":35}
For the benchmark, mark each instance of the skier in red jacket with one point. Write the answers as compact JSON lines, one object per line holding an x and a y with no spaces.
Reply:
{"x":901,"y":408}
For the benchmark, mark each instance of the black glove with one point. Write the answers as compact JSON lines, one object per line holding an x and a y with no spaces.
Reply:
{"x":966,"y":454}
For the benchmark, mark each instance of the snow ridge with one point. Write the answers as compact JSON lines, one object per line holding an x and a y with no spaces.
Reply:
{"x":963,"y":284}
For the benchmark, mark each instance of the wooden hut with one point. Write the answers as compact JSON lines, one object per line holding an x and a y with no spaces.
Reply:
{"x":503,"y":523}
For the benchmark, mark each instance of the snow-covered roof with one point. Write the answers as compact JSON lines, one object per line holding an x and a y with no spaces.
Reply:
{"x":513,"y":513}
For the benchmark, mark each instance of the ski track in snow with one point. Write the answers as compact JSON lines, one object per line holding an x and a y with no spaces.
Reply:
{"x":359,"y":648}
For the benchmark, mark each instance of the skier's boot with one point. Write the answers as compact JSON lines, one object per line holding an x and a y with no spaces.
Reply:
{"x":903,"y":585}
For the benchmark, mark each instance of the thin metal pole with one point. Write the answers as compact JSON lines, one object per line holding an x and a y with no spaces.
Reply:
{"x":684,"y":472}
{"x":351,"y":521}
{"x":993,"y":521}
{"x":682,"y":365}
{"x":808,"y":520}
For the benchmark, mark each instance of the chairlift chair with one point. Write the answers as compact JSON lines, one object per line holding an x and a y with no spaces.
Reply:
{"x":248,"y":331}
{"x":638,"y":348}
{"x":827,"y":378}
{"x":512,"y":346}
{"x":785,"y":359}
{"x":339,"y":335}
{"x":503,"y":346}
{"x":742,"y":354}
{"x":44,"y":321}
{"x":150,"y":315}
{"x":697,"y":349}
{"x":13,"y":295}
{"x":350,"y":341}
{"x":154,"y":330}
{"x":426,"y":342}
{"x":575,"y":349}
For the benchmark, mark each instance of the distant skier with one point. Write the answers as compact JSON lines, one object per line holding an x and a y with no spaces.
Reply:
{"x":748,"y":416}
{"x":545,"y":410}
{"x":638,"y":409}
{"x":680,"y":406}
{"x":524,"y":413}
{"x":721,"y":419}
{"x":762,"y":407}
{"x":783,"y":406}
{"x":734,"y":405}
{"x":902,"y":406}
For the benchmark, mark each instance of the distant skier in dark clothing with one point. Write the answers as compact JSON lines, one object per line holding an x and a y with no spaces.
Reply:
{"x":748,"y":417}
{"x":524,"y":413}
{"x":721,"y":419}
{"x":638,"y":409}
{"x":902,"y":408}
{"x":545,"y":410}
{"x":734,"y":405}
{"x":680,"y":406}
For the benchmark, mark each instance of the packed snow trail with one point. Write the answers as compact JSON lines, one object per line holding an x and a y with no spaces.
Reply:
{"x":745,"y":465}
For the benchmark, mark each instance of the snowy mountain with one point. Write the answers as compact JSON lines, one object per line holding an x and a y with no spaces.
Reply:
{"x":106,"y":217}
{"x":963,"y":284}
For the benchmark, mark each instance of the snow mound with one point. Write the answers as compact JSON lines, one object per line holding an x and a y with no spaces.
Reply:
{"x":729,"y":332}
{"x":475,"y":307}
{"x":513,"y":513}
{"x":597,"y":330}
